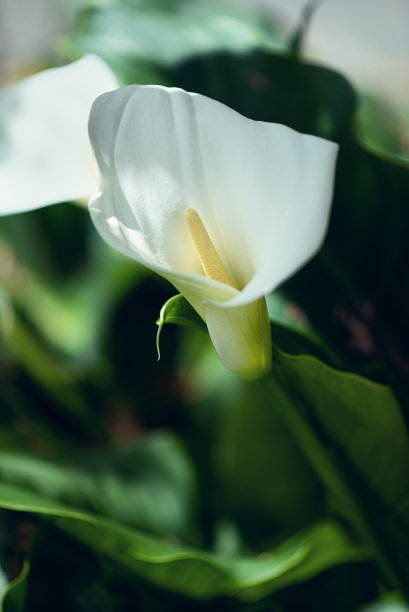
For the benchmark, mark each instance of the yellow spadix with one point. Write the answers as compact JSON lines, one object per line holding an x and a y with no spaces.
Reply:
{"x":209,"y":258}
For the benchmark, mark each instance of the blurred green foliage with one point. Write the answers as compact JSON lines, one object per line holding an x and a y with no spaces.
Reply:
{"x":129,"y":483}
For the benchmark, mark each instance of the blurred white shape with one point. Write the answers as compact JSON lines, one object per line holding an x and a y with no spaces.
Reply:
{"x":28,"y":33}
{"x":3,"y":584}
{"x":45,"y":155}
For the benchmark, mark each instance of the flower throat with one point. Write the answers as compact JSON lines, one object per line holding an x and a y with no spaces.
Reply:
{"x":209,"y":258}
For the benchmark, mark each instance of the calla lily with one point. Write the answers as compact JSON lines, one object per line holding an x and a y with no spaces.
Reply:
{"x":224,"y":207}
{"x":45,"y":155}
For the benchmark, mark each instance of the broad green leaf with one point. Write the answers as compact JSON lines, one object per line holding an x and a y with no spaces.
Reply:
{"x":352,"y":432}
{"x":360,"y":418}
{"x":293,"y":332}
{"x":359,"y":423}
{"x":202,"y":575}
{"x":124,"y":485}
{"x":262,"y":475}
{"x":191,"y":572}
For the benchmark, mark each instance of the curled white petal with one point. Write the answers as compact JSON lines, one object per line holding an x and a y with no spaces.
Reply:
{"x":45,"y":156}
{"x":262,"y":190}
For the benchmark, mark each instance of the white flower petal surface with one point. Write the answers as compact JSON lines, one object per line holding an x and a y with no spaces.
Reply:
{"x":45,"y":156}
{"x":262,"y":190}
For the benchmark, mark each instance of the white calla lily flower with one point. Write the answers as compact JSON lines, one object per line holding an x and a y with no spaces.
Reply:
{"x":224,"y":207}
{"x":45,"y":154}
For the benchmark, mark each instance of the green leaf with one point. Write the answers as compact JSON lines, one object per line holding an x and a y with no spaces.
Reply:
{"x":203,"y":575}
{"x":353,"y":434}
{"x":359,"y":424}
{"x":178,"y":311}
{"x":360,"y":418}
{"x":294,"y":333}
{"x":124,"y":484}
{"x":262,"y":476}
{"x":110,"y":505}
{"x":188,"y":571}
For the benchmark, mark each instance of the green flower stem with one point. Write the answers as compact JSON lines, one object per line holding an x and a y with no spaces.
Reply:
{"x":329,"y":472}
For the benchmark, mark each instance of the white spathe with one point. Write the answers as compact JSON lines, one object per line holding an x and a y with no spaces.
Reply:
{"x":262,"y":190}
{"x":45,"y":155}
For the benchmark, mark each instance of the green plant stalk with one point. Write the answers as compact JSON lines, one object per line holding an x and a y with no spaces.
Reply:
{"x":330,"y":474}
